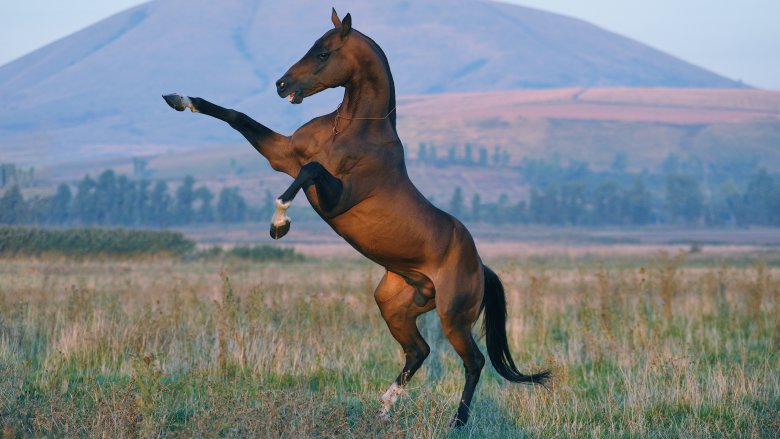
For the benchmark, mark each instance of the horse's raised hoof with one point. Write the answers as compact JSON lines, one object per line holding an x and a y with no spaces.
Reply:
{"x":177,"y":101}
{"x":279,"y":231}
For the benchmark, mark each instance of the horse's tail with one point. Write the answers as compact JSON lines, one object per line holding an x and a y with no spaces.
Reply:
{"x":494,"y":325}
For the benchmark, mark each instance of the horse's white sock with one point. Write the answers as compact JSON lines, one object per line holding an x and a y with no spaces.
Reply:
{"x":388,"y":399}
{"x":280,"y":218}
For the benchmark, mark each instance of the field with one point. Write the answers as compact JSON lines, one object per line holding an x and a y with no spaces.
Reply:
{"x":654,"y":344}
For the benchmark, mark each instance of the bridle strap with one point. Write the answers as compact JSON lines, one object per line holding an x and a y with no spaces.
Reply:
{"x":339,"y":116}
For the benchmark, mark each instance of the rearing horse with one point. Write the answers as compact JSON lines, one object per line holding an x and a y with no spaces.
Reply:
{"x":350,"y":164}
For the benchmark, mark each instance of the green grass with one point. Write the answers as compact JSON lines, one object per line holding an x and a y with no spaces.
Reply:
{"x":298,"y":349}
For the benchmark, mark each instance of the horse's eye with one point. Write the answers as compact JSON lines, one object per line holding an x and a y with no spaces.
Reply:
{"x":323,"y":56}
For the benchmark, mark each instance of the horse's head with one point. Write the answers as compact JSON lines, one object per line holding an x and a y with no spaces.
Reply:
{"x":327,"y":64}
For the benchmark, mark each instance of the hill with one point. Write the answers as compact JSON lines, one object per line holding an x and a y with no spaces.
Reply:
{"x":95,"y":94}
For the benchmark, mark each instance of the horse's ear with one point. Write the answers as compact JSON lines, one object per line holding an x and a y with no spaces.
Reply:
{"x":346,"y":26}
{"x":334,"y":17}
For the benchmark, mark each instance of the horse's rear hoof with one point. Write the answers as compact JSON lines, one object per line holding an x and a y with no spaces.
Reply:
{"x":279,"y":231}
{"x":458,"y":423}
{"x":176,"y":101}
{"x":384,"y":416}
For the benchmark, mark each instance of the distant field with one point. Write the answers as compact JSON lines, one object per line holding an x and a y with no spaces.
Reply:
{"x":661,"y":105}
{"x":656,"y":345}
{"x":721,"y":127}
{"x":593,"y":125}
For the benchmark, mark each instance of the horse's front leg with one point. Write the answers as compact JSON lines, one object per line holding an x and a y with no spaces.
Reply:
{"x":272,"y":145}
{"x":329,"y":194}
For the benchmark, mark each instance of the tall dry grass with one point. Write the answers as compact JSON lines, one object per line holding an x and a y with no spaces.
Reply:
{"x":298,"y":349}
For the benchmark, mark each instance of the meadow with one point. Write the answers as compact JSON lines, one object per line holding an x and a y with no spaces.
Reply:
{"x":657,"y":345}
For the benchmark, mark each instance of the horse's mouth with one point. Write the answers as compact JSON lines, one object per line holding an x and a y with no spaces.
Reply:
{"x":295,"y":97}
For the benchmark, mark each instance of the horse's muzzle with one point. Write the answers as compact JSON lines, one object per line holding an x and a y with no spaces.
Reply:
{"x":283,"y":87}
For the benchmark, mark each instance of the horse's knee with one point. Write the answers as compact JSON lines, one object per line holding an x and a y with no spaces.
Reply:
{"x":311,"y":170}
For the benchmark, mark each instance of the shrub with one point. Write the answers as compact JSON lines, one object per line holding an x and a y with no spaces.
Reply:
{"x":265,"y":253}
{"x":91,"y":242}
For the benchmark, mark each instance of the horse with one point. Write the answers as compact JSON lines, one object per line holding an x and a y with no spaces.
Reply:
{"x":350,"y":164}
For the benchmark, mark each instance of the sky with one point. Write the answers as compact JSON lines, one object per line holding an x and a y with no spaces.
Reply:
{"x":737,"y":39}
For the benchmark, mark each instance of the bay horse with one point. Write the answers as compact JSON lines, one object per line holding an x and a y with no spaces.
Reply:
{"x":350,"y":164}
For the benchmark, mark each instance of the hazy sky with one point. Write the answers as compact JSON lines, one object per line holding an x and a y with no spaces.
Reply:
{"x":737,"y":39}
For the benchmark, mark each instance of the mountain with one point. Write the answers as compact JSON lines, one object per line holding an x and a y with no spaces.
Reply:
{"x":96,"y":93}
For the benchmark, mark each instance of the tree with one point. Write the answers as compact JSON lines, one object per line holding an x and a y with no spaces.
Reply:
{"x":684,"y":199}
{"x":483,"y":156}
{"x":468,"y":155}
{"x":671,"y":164}
{"x":13,"y":209}
{"x":572,"y":208}
{"x":502,"y":212}
{"x":519,"y":214}
{"x":637,"y":203}
{"x":185,"y":196}
{"x":422,"y":154}
{"x":142,"y":208}
{"x":59,"y":208}
{"x":84,"y":202}
{"x":106,"y":198}
{"x":160,"y":205}
{"x":607,"y":204}
{"x":476,"y":207}
{"x":758,"y":198}
{"x":456,"y":202}
{"x":231,"y":206}
{"x":619,"y":163}
{"x":774,"y":205}
{"x":433,"y":158}
{"x":125,"y":207}
{"x":205,"y":213}
{"x":496,"y":155}
{"x":544,"y":207}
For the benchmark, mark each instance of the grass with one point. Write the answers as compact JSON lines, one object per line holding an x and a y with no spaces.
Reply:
{"x":235,"y":348}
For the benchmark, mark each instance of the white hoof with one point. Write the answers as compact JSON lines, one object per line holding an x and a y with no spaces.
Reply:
{"x":388,"y":399}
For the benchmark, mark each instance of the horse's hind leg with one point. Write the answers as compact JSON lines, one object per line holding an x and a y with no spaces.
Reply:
{"x":396,"y":302}
{"x":458,"y":304}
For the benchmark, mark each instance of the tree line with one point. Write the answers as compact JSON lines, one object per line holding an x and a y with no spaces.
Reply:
{"x":573,"y":195}
{"x":429,"y":154}
{"x":116,"y":200}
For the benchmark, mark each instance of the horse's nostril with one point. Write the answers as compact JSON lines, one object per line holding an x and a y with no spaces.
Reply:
{"x":281,"y":85}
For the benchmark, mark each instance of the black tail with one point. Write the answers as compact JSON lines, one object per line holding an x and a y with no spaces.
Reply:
{"x":494,"y":324}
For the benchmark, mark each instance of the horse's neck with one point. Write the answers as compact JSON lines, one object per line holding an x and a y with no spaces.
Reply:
{"x":363,"y":101}
{"x":371,"y":93}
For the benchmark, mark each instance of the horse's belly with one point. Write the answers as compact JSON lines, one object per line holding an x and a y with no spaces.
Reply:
{"x":397,"y":240}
